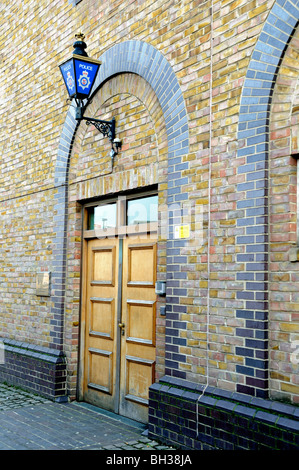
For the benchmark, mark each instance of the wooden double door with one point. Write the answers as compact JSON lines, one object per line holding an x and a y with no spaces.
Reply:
{"x":120,"y":324}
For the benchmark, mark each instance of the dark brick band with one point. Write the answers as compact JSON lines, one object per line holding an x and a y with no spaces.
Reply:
{"x":180,"y":414}
{"x":38,"y":369}
{"x":253,"y":135}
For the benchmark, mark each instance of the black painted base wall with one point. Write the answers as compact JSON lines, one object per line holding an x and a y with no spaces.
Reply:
{"x":34,"y":368}
{"x":182,"y":415}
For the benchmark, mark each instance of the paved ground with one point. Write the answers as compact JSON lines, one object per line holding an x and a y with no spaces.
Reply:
{"x":30,"y":422}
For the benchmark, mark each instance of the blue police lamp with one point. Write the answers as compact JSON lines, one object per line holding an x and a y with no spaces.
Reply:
{"x":79,"y":74}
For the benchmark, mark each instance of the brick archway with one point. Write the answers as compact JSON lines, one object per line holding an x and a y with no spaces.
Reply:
{"x":253,"y":135}
{"x":283,"y":227}
{"x":136,"y":57}
{"x":140,"y":164}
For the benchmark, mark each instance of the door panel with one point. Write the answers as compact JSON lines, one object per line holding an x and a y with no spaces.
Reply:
{"x":101,"y":321}
{"x":139,"y":316}
{"x":103,"y":266}
{"x":100,"y":369}
{"x":101,"y":327}
{"x":120,"y":324}
{"x":139,"y":377}
{"x":141,"y":267}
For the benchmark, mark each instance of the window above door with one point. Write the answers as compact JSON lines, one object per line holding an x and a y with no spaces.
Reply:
{"x":142,"y":210}
{"x":103,"y":216}
{"x":124,"y":215}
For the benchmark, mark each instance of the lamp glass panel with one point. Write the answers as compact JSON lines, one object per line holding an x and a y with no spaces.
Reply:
{"x":86,"y":73}
{"x":68,"y":73}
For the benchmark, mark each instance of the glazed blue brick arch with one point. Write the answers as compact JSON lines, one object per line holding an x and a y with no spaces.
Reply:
{"x":146,"y":61}
{"x":253,"y":138}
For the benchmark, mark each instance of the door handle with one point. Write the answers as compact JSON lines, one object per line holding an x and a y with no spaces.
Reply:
{"x":122,"y":326}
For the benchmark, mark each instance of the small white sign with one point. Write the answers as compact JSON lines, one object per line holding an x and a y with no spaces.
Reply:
{"x":43,"y":284}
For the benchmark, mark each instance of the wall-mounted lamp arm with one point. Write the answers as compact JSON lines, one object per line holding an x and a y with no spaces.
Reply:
{"x":107,"y":128}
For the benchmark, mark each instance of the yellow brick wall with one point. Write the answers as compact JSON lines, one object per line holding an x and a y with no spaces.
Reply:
{"x":283,"y":276}
{"x":34,"y":38}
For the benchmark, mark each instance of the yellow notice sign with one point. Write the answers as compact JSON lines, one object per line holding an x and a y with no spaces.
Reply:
{"x":182,"y":231}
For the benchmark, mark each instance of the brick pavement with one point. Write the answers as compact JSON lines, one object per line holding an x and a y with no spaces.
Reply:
{"x":31,"y":422}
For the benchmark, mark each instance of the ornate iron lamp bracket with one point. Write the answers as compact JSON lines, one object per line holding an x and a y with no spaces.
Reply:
{"x":106,"y":128}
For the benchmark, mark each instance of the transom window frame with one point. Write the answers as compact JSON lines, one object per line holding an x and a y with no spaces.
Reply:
{"x":121,"y":229}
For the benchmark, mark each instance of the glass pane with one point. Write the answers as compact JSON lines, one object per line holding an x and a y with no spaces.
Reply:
{"x":102,"y":217}
{"x":142,"y":210}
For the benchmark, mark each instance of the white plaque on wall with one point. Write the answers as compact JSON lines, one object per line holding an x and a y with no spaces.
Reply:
{"x":43,"y":284}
